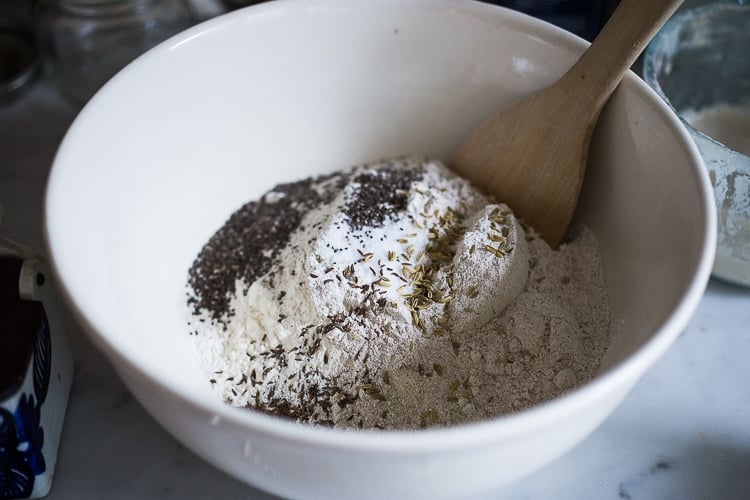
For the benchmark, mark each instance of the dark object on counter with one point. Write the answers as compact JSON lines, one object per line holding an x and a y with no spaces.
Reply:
{"x":582,"y":17}
{"x":24,"y":341}
{"x":36,"y":370}
{"x":238,"y":4}
{"x":18,"y":56}
{"x":21,"y":317}
{"x":21,"y":321}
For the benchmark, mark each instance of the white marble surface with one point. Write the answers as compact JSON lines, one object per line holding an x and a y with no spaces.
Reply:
{"x":683,"y":433}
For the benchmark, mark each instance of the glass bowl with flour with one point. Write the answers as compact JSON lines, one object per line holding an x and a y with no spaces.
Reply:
{"x":700,"y":64}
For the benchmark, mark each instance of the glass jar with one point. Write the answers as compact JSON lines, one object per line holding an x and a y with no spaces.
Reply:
{"x":85,"y":42}
{"x":700,"y":64}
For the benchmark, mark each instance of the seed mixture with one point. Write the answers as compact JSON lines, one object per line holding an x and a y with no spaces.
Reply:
{"x":393,"y":295}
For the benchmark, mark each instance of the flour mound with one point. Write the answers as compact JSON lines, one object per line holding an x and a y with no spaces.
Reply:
{"x":393,"y":295}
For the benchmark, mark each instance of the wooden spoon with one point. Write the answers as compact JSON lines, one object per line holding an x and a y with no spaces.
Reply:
{"x":532,"y":155}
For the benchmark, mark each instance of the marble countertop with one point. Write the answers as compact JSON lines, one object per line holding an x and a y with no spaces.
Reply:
{"x":683,"y":432}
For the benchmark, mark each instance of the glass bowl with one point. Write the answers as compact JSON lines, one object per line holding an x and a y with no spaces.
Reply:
{"x":700,"y":64}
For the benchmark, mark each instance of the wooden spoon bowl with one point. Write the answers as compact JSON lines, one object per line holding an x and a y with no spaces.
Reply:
{"x":533,"y":154}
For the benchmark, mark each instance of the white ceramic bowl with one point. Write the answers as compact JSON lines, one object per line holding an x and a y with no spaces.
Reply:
{"x":212,"y":118}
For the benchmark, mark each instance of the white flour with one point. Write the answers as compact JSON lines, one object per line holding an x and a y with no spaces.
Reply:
{"x":426,"y":308}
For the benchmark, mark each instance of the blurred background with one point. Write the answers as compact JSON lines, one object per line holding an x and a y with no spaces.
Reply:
{"x":81,"y":43}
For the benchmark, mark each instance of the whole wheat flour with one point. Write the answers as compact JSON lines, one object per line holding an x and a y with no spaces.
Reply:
{"x":393,"y":295}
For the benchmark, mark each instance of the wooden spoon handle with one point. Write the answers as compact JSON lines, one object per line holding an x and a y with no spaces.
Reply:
{"x":630,"y":28}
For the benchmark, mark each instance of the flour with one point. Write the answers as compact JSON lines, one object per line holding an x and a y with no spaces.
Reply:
{"x":393,"y":296}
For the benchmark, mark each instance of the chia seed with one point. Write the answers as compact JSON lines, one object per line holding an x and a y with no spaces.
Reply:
{"x":378,"y":195}
{"x":248,"y":245}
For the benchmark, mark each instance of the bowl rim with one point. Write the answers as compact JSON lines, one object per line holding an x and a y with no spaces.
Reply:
{"x":444,"y":439}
